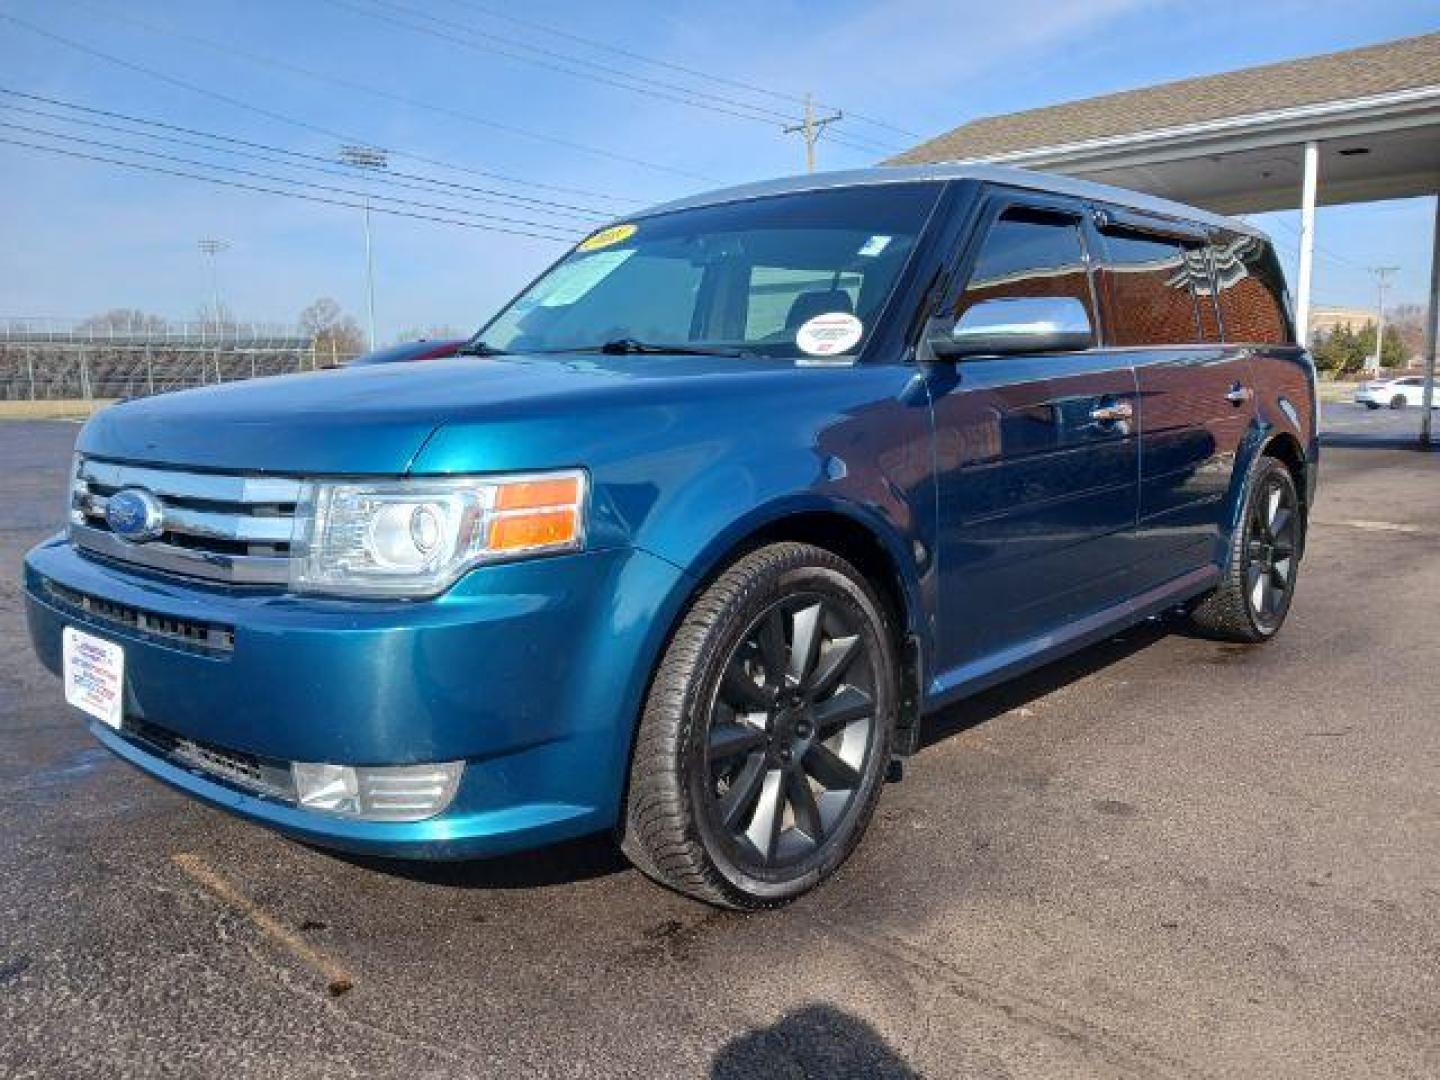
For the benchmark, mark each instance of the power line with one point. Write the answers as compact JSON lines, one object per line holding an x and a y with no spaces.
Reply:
{"x":424,"y":183}
{"x":616,"y":50}
{"x":275,"y":191}
{"x":282,"y":117}
{"x":1326,"y":252}
{"x":234,"y":170}
{"x":229,"y":49}
{"x":447,"y":31}
{"x":555,"y":61}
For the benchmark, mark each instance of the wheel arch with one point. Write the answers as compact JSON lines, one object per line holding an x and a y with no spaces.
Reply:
{"x":881,"y":555}
{"x":1286,"y":448}
{"x":1265,"y":441}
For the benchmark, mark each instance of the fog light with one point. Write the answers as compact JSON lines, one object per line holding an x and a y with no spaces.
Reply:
{"x":393,"y":793}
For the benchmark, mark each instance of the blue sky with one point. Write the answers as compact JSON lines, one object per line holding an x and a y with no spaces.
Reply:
{"x":83,"y":236}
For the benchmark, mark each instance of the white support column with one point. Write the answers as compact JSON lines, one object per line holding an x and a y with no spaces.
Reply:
{"x":1307,"y":240}
{"x":1432,"y":329}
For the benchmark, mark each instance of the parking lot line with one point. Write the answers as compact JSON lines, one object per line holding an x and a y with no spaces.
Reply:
{"x":337,"y":979}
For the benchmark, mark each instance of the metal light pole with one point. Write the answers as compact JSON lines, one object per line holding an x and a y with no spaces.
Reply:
{"x":366,"y":157}
{"x":211,"y":248}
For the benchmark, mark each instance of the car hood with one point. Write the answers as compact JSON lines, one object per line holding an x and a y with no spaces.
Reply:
{"x":375,"y":420}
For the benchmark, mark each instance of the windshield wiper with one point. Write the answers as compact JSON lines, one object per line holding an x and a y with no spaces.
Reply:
{"x":479,"y":348}
{"x":628,"y":346}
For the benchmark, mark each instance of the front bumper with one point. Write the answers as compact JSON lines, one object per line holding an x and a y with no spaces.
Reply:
{"x":529,"y":672}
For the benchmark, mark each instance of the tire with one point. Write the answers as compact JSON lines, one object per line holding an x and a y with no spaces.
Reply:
{"x":1252,"y":600}
{"x":730,"y":747}
{"x":1372,"y":405}
{"x":1398,"y":401}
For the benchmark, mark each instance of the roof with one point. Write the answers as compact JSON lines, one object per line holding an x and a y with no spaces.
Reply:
{"x":995,"y":174}
{"x":1372,"y":71}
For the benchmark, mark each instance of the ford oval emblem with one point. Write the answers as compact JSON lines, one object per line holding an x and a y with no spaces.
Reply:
{"x":135,"y":515}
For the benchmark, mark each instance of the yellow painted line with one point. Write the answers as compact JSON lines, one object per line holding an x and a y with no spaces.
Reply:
{"x":337,"y":979}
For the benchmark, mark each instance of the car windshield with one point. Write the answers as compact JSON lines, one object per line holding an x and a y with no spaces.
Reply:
{"x":801,"y":274}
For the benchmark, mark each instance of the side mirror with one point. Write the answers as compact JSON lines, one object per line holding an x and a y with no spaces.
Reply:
{"x":1007,"y":326}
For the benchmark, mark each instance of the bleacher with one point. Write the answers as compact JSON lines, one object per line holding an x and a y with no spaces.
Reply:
{"x":52,"y":359}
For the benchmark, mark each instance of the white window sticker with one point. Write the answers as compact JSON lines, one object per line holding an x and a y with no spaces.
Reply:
{"x":94,"y":675}
{"x":829,"y":335}
{"x":874,"y":246}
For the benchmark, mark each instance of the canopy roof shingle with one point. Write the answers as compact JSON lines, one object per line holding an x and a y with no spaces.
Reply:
{"x":1374,"y":70}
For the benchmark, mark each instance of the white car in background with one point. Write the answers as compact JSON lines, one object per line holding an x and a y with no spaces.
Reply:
{"x":1394,"y":393}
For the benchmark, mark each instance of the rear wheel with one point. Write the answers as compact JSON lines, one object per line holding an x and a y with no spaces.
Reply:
{"x":767,"y":731}
{"x":1251,"y":603}
{"x":1398,"y":401}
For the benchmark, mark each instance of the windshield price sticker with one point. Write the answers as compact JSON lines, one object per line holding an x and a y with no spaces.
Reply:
{"x":615,"y":234}
{"x":829,"y":335}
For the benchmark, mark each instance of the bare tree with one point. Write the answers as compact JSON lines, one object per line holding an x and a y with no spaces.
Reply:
{"x":124,"y":321}
{"x":337,"y":337}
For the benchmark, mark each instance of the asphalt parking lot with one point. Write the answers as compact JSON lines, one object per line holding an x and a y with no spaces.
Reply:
{"x":1165,"y":857}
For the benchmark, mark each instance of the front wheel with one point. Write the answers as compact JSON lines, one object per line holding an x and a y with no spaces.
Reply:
{"x":1252,"y":601}
{"x":767,"y":731}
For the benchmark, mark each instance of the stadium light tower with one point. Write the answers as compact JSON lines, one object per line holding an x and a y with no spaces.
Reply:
{"x":212,"y":247}
{"x":366,"y":157}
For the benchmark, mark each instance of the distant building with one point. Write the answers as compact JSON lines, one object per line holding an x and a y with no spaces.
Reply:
{"x":1323,"y":320}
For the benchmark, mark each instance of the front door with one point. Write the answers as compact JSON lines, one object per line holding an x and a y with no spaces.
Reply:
{"x":1036,"y":459}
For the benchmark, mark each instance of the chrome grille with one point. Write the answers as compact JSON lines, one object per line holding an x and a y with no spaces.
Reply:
{"x":220,"y":527}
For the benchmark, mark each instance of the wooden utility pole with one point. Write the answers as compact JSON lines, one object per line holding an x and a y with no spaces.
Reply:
{"x":812,"y":127}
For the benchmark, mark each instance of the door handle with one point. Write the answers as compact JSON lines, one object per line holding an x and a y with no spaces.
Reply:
{"x":1110,"y":414}
{"x":1239,"y":395}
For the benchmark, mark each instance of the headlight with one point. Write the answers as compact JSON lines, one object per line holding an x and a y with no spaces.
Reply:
{"x":416,"y":537}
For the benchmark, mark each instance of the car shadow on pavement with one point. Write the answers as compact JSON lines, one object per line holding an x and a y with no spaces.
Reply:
{"x":817,"y":1040}
{"x":1023,"y":689}
{"x":570,"y":861}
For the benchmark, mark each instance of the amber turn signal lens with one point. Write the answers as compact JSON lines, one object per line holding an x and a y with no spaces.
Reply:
{"x":543,"y":528}
{"x":538,"y":494}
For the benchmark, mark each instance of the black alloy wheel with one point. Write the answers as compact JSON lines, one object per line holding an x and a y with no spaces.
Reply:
{"x":791,"y":726}
{"x":767,"y":731}
{"x":1255,"y":593}
{"x":1272,"y":532}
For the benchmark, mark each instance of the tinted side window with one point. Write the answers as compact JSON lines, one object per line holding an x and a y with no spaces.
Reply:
{"x":1150,"y":285}
{"x":1027,"y":253}
{"x":1254,"y":305}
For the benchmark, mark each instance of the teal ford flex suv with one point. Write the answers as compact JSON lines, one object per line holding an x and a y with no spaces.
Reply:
{"x":699,"y":526}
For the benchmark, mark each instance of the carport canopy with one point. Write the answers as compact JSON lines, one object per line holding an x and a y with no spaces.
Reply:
{"x":1346,"y":127}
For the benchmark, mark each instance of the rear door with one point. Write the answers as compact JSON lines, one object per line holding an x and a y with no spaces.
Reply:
{"x":1196,"y":394}
{"x":1036,"y":461}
